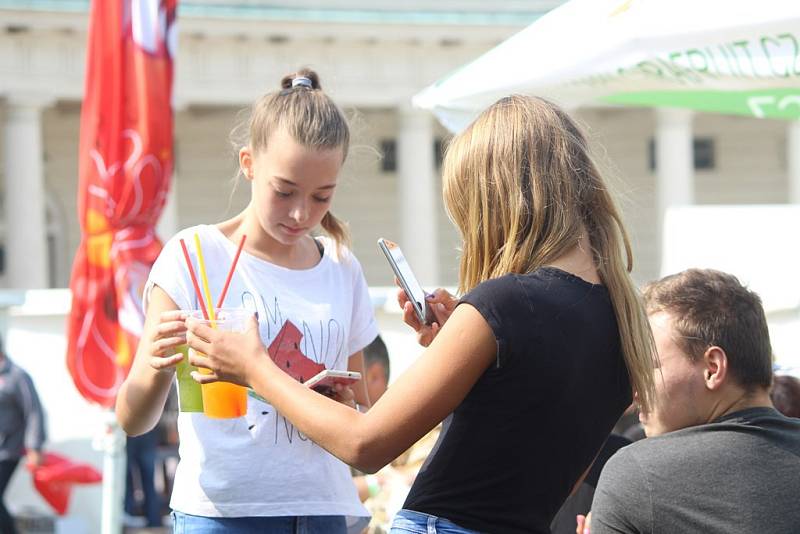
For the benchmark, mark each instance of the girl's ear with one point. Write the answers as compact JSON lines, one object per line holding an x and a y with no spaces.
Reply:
{"x":246,"y":162}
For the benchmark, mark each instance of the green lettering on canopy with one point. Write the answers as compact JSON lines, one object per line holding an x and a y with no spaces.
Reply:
{"x":778,"y":103}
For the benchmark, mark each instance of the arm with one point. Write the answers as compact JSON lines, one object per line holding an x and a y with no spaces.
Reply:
{"x":33,"y":416}
{"x":424,"y":395}
{"x":141,"y":397}
{"x":356,"y":363}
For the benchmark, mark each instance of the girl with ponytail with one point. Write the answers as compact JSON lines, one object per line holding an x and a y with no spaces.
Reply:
{"x":258,"y":472}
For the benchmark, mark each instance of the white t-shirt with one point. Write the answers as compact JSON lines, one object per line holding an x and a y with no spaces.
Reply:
{"x":260,"y":465}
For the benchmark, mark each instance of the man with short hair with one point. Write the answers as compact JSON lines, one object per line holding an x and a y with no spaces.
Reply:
{"x":376,"y":368}
{"x":718,"y":458}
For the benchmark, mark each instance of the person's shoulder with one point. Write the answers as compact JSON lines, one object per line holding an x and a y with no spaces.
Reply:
{"x":338,"y":253}
{"x":203,"y":231}
{"x":206,"y":233}
{"x":17,"y":373}
{"x":502,"y":286}
{"x":665,"y":449}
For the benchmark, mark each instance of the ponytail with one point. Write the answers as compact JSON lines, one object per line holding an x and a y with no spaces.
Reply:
{"x":336,"y":229}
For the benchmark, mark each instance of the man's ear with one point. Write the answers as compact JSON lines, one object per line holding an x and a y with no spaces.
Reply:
{"x":246,"y":162}
{"x":715,"y":363}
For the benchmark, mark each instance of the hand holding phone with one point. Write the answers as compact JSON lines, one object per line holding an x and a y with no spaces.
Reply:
{"x":440,"y":302}
{"x":413,"y":290}
{"x":324,"y":381}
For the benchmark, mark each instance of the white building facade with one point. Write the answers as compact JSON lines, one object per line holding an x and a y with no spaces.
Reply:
{"x":372,"y":57}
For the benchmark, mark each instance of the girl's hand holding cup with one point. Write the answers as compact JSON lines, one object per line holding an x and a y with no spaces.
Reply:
{"x":170,"y":335}
{"x":228,"y":355}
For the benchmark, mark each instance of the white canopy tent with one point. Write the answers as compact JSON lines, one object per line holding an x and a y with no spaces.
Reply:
{"x":727,"y":56}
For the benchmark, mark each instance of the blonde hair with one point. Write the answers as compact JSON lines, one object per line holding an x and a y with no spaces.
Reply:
{"x":306,"y":113}
{"x":521,"y":187}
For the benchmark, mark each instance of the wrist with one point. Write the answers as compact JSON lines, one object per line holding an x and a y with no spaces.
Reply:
{"x":262,"y":362}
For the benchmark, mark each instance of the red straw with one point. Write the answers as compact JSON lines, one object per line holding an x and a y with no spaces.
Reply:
{"x":230,"y":273}
{"x":194,"y":279}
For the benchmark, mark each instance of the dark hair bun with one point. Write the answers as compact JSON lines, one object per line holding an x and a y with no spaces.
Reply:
{"x":286,"y":81}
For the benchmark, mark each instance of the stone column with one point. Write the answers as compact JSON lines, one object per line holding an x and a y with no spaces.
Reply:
{"x":674,"y":164}
{"x":793,"y":160}
{"x":674,"y":159}
{"x":417,"y":194}
{"x":26,"y":232}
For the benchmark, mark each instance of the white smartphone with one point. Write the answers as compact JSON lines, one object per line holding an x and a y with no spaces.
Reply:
{"x":324,"y":381}
{"x":408,"y":281}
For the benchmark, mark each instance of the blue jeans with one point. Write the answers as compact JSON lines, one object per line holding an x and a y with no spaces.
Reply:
{"x":418,"y":523}
{"x":312,"y":524}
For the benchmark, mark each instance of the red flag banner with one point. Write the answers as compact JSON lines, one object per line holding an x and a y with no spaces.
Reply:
{"x":125,"y":165}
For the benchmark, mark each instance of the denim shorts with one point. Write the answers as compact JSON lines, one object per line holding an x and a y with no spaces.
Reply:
{"x":311,"y":524}
{"x":407,"y":521}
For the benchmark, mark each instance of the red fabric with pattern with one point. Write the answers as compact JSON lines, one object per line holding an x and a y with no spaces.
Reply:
{"x":125,"y":165}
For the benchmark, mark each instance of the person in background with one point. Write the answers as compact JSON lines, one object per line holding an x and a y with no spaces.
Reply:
{"x":259,"y":473}
{"x":718,"y":458}
{"x":785,"y":395}
{"x":141,"y":455}
{"x":579,"y":503}
{"x":529,"y":370}
{"x":376,"y":368}
{"x":22,"y":428}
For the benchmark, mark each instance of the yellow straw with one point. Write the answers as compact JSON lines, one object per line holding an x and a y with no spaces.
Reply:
{"x":204,"y":278}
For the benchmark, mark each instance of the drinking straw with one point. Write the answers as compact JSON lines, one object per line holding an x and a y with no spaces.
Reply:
{"x":194,"y":279}
{"x":201,"y":264}
{"x":230,"y":272}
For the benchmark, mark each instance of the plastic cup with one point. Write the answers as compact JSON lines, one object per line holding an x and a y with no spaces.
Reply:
{"x":223,"y":400}
{"x":190,"y":396}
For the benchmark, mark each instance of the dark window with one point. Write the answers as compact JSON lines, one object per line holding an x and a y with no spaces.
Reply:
{"x":702,"y":147}
{"x":704,"y":153}
{"x":389,"y":152}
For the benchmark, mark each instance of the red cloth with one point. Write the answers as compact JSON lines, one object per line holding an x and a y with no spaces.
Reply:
{"x":55,"y":477}
{"x":125,"y":165}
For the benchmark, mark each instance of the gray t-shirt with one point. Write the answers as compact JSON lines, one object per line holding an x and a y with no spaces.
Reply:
{"x":739,"y":474}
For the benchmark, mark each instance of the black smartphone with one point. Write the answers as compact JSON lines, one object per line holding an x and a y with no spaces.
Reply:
{"x":408,"y":281}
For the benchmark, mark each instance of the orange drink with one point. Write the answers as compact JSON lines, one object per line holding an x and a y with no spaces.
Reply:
{"x":223,"y":400}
